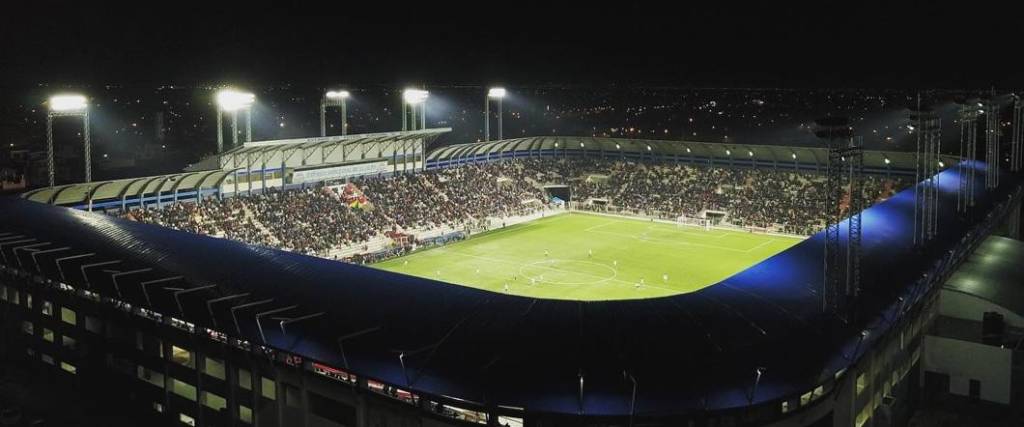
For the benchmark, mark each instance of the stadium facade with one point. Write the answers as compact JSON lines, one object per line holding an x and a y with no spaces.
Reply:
{"x":213,"y":332}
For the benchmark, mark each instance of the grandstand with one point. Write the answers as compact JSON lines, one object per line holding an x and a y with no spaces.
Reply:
{"x":631,"y":317}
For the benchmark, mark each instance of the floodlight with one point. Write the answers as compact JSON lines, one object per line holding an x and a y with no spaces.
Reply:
{"x":496,"y":92}
{"x":231,"y":100}
{"x":887,"y":161}
{"x":617,"y":147}
{"x":415,"y":96}
{"x":750,"y":153}
{"x":339,"y":94}
{"x":728,"y":153}
{"x":67,"y":103}
{"x":648,"y":148}
{"x":581,"y":145}
{"x":942,"y":164}
{"x":794,"y":156}
{"x":687,"y":149}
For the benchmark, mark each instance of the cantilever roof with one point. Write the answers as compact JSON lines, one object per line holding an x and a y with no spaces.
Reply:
{"x":323,"y":150}
{"x":690,"y":352}
{"x":720,"y":152}
{"x":83,"y":192}
{"x":211,"y":171}
{"x":994,"y":273}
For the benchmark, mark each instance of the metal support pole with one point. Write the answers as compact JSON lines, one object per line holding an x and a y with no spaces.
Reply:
{"x":423,"y":114}
{"x":344,"y":118}
{"x":49,"y":147}
{"x":234,"y":129}
{"x":487,"y":118}
{"x":248,"y":124}
{"x":323,"y":116}
{"x":87,"y":146}
{"x":500,"y":133}
{"x":220,"y":131}
{"x":405,"y":121}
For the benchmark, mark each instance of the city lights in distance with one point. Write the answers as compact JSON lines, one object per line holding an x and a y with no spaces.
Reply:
{"x":67,"y":103}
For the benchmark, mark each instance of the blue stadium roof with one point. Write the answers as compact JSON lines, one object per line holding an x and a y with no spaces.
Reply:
{"x":688,"y":352}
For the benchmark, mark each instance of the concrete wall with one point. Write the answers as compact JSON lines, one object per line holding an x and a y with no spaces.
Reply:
{"x":964,"y":361}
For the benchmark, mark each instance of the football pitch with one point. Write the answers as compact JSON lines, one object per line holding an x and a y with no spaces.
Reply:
{"x":592,"y":257}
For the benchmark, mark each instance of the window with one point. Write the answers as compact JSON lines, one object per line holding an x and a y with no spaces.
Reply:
{"x":187,"y":420}
{"x":47,"y":308}
{"x":150,"y":376}
{"x":68,"y":367}
{"x":244,"y":379}
{"x":67,"y":341}
{"x":183,"y":389}
{"x":214,"y":401}
{"x":68,"y":316}
{"x":182,"y":356}
{"x":245,"y":414}
{"x":15,"y":297}
{"x":3,"y":293}
{"x":268,"y":388}
{"x":504,"y":420}
{"x":159,"y":407}
{"x":27,"y":327}
{"x":862,"y":383}
{"x":47,"y":358}
{"x":47,"y":335}
{"x":805,"y":399}
{"x":28,"y":300}
{"x":214,"y":368}
{"x":785,"y":407}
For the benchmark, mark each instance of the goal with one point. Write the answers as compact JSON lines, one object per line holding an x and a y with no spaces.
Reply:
{"x":684,"y":221}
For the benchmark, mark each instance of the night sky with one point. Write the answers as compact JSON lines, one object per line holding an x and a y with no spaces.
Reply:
{"x":725,"y":46}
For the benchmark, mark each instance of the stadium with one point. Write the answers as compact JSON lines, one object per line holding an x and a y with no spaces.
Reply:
{"x":374,"y":279}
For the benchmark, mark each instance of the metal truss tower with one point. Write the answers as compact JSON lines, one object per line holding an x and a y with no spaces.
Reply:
{"x":969,"y":111}
{"x":845,"y":181}
{"x":1016,"y":157}
{"x":927,"y":125}
{"x":992,"y":133}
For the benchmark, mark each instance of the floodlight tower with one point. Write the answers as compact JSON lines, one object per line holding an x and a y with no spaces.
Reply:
{"x":495,"y":93}
{"x":334,"y":98}
{"x":1018,"y":134}
{"x":992,"y":134}
{"x":411,"y":98}
{"x":927,"y":127}
{"x":968,"y":117}
{"x":845,"y":173}
{"x":232,"y":101}
{"x":68,"y":106}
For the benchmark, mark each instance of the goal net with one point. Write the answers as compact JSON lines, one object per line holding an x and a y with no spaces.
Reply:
{"x":684,"y":221}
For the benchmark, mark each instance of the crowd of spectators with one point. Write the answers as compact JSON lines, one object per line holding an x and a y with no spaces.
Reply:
{"x":318,"y":220}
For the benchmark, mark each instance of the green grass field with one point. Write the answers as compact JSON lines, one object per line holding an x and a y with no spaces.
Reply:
{"x":625,"y":252}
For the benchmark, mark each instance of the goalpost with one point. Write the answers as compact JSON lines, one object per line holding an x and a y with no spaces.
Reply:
{"x":685,"y":221}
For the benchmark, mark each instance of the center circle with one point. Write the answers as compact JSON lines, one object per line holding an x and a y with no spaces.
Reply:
{"x":562,"y":272}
